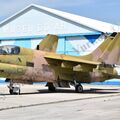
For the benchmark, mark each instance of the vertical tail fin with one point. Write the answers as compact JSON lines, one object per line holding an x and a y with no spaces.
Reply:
{"x":111,"y":55}
{"x":49,"y":43}
{"x":95,"y":55}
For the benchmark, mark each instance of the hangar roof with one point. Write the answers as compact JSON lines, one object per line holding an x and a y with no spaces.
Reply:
{"x":88,"y":22}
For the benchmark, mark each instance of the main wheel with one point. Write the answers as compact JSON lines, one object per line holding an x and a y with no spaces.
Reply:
{"x":51,"y":87}
{"x":11,"y":91}
{"x":79,"y":88}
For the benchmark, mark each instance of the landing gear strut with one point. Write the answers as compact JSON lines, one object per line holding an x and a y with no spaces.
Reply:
{"x":78,"y":87}
{"x":13,"y":89}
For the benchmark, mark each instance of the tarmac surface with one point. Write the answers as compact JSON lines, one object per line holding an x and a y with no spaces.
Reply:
{"x":35,"y":103}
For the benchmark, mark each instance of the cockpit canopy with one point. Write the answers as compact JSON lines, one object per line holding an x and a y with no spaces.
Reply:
{"x":9,"y":49}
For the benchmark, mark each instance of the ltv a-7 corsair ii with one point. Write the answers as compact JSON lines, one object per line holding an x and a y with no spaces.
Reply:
{"x":24,"y":65}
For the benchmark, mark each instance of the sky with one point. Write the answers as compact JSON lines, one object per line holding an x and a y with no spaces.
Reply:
{"x":103,"y":10}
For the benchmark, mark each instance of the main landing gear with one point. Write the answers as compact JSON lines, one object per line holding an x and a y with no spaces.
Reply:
{"x":14,"y":88}
{"x":78,"y":88}
{"x":52,"y":87}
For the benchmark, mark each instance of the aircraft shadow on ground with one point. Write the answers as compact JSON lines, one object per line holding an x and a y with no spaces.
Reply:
{"x":86,"y":91}
{"x":101,"y":91}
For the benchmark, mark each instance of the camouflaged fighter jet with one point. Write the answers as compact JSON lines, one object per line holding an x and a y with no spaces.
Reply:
{"x":23,"y":65}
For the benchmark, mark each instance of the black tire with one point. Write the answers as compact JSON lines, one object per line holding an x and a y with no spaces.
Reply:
{"x":78,"y":88}
{"x":11,"y":91}
{"x":51,"y":87}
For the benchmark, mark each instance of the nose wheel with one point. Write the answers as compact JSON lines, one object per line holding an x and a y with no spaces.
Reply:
{"x":14,"y":88}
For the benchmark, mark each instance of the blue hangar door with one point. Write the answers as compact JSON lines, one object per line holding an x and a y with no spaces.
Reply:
{"x":81,"y":45}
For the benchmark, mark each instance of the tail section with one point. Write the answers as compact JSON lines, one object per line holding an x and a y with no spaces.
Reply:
{"x":111,"y":55}
{"x":96,"y":54}
{"x":49,"y":43}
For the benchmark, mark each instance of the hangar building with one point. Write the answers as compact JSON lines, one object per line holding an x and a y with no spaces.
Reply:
{"x":77,"y":35}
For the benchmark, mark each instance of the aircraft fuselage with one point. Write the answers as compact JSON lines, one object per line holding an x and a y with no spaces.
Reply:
{"x":33,"y":67}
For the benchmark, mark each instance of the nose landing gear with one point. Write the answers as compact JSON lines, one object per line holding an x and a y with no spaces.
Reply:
{"x":14,"y":88}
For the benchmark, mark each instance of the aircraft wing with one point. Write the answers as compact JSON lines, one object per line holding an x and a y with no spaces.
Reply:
{"x":69,"y":61}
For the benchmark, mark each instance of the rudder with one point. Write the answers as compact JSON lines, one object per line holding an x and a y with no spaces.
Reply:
{"x":111,"y":55}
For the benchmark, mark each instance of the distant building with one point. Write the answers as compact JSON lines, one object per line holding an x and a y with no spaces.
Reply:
{"x":77,"y":35}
